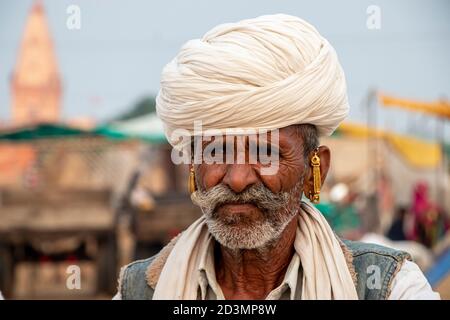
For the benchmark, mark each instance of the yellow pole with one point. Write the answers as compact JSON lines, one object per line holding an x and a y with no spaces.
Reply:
{"x":439,"y":108}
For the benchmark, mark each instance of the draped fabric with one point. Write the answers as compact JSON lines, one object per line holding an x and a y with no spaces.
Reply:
{"x":264,"y":73}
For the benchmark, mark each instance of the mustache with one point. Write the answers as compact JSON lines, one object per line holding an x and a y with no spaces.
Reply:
{"x":257,"y":194}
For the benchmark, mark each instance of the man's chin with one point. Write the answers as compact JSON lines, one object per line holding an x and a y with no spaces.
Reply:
{"x":242,"y":235}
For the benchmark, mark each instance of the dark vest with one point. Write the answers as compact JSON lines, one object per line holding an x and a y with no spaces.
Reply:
{"x":375,"y":268}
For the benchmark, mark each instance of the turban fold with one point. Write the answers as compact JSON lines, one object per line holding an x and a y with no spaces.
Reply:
{"x":264,"y":73}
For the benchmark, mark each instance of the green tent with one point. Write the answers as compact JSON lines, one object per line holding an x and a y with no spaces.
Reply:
{"x":41,"y":131}
{"x":146,"y":128}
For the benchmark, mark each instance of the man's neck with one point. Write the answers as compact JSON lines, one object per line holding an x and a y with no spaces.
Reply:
{"x":254,"y":273}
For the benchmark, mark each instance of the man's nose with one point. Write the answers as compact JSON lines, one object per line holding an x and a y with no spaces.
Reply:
{"x":239,"y":177}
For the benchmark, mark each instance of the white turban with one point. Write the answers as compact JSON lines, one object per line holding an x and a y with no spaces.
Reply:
{"x":264,"y":73}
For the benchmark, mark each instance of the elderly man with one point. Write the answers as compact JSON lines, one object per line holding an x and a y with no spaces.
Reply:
{"x":257,"y":239}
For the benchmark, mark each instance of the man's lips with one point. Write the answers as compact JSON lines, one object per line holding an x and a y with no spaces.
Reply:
{"x":233,"y":213}
{"x":237,"y":208}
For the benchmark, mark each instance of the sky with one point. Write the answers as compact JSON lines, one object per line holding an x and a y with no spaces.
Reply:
{"x":117,"y":55}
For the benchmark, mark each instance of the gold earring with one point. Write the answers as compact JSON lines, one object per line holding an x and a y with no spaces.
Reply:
{"x":315,"y":164}
{"x":192,"y":187}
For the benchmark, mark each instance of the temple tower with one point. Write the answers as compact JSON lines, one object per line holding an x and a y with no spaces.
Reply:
{"x":35,"y":82}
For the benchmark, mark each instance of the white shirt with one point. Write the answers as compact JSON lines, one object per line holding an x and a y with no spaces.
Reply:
{"x":411,"y":284}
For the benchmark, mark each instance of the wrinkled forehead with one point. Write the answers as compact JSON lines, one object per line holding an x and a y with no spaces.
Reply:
{"x":283,"y":137}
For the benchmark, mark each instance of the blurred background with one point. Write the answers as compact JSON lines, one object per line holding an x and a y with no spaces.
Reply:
{"x":86,"y":178}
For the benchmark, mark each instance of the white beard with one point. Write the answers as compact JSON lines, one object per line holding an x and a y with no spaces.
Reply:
{"x":258,"y":235}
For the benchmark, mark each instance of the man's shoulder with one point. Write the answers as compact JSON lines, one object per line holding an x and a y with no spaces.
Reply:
{"x":134,"y":282}
{"x":376,"y":267}
{"x":138,"y":267}
{"x":138,"y":279}
{"x":358,"y":248}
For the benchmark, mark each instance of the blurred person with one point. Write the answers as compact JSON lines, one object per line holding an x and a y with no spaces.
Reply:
{"x":257,"y":239}
{"x":430,"y":224}
{"x":341,"y":213}
{"x":420,"y":207}
{"x":397,"y":230}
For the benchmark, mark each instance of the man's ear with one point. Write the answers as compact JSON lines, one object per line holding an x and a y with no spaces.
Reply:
{"x":325,"y":156}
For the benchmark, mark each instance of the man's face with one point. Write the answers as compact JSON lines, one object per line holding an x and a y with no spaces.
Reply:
{"x":245,"y":209}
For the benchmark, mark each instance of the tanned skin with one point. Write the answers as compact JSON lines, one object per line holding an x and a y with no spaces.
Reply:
{"x":253,"y":274}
